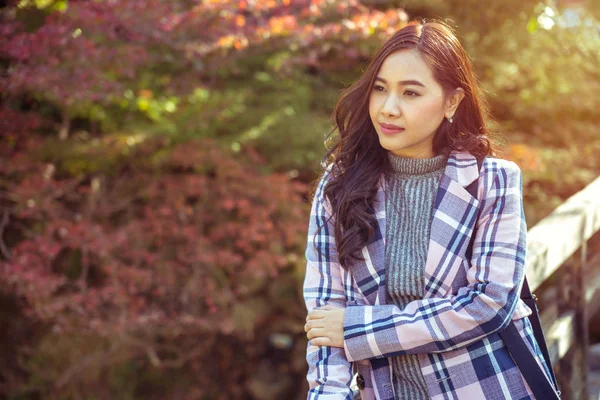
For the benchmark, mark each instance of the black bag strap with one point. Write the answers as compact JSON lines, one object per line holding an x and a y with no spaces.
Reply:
{"x":536,"y":324}
{"x":538,"y":382}
{"x":534,"y":375}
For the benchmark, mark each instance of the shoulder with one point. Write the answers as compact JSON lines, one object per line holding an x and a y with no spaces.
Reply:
{"x":494,"y":164}
{"x":465,"y":160}
{"x":500,"y":177}
{"x":465,"y":168}
{"x":500,"y":171}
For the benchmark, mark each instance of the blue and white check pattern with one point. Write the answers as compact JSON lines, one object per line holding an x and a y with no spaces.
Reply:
{"x":454,"y":327}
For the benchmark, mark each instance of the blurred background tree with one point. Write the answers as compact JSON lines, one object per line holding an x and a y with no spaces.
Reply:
{"x":158,"y":156}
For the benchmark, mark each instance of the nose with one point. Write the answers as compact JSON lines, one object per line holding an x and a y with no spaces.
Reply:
{"x":391,"y":107}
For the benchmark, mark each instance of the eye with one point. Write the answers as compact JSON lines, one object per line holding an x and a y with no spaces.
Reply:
{"x":410,"y":93}
{"x":378,"y":88}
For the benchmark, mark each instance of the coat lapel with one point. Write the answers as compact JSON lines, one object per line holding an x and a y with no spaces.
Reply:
{"x":454,"y":217}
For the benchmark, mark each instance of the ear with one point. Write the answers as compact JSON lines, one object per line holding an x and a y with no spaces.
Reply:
{"x":453,"y":101}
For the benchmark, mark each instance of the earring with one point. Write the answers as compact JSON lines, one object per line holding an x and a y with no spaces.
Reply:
{"x":450,"y":119}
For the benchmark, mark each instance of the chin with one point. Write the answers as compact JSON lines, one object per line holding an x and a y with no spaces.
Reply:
{"x":389,"y":145}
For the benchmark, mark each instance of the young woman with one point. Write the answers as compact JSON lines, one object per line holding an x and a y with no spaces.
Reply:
{"x":389,"y":287}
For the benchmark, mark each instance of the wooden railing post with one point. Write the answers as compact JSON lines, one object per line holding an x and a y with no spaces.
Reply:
{"x":581,"y":319}
{"x":566,"y":366}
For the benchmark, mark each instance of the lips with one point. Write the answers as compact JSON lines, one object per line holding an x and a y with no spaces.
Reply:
{"x":390,"y":129}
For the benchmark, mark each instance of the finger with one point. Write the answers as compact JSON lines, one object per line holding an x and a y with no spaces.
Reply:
{"x":315,"y":332}
{"x":307,"y":327}
{"x":321,"y":341}
{"x":313,"y":323}
{"x":316,"y":314}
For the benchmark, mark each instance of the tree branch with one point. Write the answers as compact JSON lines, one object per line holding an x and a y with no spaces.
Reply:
{"x":3,"y":223}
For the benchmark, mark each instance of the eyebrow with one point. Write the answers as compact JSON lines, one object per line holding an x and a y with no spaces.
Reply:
{"x":404,"y":83}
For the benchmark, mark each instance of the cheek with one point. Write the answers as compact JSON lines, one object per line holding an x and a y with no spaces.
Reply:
{"x":429,"y":110}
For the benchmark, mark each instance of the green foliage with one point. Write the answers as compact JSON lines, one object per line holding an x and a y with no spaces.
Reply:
{"x":284,"y":119}
{"x":294,"y":142}
{"x":87,"y":155}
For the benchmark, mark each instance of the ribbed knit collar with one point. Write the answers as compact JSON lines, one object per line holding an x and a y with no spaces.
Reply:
{"x":416,"y":166}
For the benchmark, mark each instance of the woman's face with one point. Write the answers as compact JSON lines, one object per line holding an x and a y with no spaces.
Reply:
{"x":407,"y":105}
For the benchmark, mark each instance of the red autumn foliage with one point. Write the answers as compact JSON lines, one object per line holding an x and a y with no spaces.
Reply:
{"x":183,"y":242}
{"x":152,"y":239}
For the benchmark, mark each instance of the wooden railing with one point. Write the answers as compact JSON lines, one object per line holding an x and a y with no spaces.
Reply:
{"x":563,"y":270}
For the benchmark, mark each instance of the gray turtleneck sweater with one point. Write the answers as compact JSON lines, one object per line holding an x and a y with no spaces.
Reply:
{"x":410,"y":195}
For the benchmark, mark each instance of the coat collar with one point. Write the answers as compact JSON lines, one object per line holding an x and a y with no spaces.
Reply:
{"x":450,"y":218}
{"x":461,"y":168}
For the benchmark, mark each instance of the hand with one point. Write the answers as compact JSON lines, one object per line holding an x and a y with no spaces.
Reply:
{"x":325,"y":326}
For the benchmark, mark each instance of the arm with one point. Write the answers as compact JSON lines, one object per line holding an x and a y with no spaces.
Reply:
{"x":482,"y":307}
{"x":329,"y":372}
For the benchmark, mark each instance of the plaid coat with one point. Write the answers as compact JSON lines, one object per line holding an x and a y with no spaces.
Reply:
{"x":454,"y":328}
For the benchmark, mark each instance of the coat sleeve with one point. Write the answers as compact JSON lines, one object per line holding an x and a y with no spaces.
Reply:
{"x":485,"y":305}
{"x":329,"y":372}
